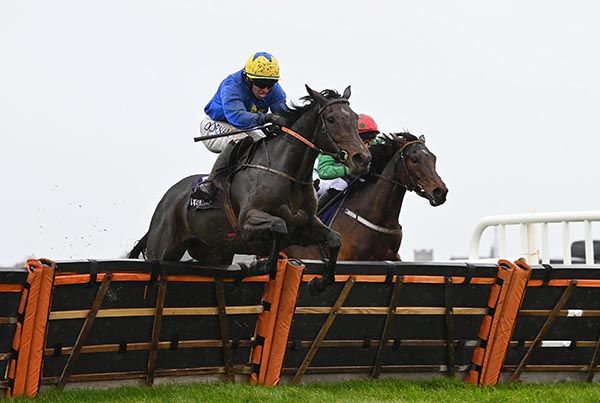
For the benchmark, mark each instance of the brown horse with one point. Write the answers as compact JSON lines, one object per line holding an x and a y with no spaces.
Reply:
{"x":273,"y":204}
{"x":368,"y":216}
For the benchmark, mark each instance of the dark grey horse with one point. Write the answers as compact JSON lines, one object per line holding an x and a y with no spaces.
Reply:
{"x":271,"y":195}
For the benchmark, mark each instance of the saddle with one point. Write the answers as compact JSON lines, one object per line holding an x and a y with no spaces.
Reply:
{"x":241,"y":153}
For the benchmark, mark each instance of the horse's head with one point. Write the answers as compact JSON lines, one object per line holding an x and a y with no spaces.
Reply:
{"x":414,"y":166}
{"x":338,"y":130}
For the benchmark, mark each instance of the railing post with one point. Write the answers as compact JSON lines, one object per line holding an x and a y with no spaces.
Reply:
{"x":502,"y":240}
{"x":566,"y":243}
{"x":545,"y":244}
{"x":533,"y":251}
{"x":589,"y":243}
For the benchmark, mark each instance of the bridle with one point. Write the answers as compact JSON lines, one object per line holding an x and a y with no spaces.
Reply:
{"x":412,"y":185}
{"x":340,"y":154}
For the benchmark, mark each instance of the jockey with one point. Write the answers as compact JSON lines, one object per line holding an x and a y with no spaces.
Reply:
{"x":333,"y":175}
{"x":242,"y":101}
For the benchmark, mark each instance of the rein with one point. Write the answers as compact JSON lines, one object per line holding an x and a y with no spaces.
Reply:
{"x":385,"y":178}
{"x":301,"y":138}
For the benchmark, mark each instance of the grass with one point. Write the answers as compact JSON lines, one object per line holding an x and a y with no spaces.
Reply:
{"x":434,"y":390}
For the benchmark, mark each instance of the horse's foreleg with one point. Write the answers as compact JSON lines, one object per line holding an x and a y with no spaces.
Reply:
{"x":319,"y":233}
{"x":258,"y":222}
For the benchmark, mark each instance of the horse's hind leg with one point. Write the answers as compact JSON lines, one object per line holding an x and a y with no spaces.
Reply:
{"x":258,"y":222}
{"x":165,"y":245}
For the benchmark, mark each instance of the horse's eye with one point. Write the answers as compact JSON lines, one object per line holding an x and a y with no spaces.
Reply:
{"x":330,"y":119}
{"x":415,"y":159}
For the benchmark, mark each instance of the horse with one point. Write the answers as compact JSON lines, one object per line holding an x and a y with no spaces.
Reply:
{"x":269,"y":202}
{"x":368,"y":215}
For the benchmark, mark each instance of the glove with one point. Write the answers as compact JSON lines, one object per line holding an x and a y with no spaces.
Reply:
{"x":275,"y":119}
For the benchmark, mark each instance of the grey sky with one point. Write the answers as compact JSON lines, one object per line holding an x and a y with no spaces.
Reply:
{"x":99,"y":102}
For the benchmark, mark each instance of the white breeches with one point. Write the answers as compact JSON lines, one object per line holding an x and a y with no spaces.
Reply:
{"x":325,"y":184}
{"x":209,"y":127}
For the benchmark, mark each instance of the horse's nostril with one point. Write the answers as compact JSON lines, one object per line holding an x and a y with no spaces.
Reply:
{"x":358,"y":159}
{"x":438,"y":192}
{"x":361,"y":160}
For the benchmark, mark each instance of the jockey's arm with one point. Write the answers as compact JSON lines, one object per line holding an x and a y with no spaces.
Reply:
{"x":235,"y":109}
{"x":278,"y":105}
{"x":329,"y":168}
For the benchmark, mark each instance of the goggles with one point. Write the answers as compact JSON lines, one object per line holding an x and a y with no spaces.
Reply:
{"x":261,"y":83}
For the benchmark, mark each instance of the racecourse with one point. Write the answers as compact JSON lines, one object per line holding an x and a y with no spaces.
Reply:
{"x":435,"y":390}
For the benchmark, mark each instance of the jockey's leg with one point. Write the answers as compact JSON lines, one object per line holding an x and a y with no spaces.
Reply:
{"x":221,"y":145}
{"x":209,"y":127}
{"x":206,"y":189}
{"x":329,"y":189}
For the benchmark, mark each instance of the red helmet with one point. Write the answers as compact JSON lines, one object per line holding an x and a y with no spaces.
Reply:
{"x":367,"y":125}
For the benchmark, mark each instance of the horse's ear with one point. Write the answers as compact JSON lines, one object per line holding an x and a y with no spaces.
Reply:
{"x":347,"y":93}
{"x":317,"y":96}
{"x":422,"y":138}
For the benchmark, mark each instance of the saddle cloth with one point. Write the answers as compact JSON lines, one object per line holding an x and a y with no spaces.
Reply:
{"x":329,"y":214}
{"x":201,"y":204}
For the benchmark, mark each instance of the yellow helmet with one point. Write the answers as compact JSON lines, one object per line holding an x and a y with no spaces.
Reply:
{"x":262,"y":65}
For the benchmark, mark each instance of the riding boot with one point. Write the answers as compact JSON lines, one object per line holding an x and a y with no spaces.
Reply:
{"x":206,"y":189}
{"x":327,"y":197}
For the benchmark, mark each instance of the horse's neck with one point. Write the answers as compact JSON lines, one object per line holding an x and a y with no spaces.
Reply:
{"x":381,"y":201}
{"x":291,"y":154}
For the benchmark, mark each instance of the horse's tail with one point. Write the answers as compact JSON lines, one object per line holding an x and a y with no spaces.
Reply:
{"x":139,"y":248}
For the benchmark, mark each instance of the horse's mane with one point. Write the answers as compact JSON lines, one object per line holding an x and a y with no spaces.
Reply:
{"x":293,"y":112}
{"x":382,"y":153}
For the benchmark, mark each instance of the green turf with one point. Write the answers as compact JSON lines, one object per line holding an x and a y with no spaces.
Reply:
{"x":435,"y":390}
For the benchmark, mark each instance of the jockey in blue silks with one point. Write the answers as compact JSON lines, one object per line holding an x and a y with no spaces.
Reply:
{"x":242,"y":101}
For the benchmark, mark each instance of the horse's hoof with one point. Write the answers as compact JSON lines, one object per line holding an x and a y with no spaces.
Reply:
{"x":316,"y":286}
{"x":258,"y":268}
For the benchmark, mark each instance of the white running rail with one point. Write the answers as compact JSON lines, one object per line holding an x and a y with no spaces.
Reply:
{"x":528,"y":223}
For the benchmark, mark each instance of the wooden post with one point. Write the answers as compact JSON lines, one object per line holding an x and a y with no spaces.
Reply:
{"x":547,"y":325}
{"x":85,"y":329}
{"x":594,"y":362}
{"x":224,"y":326}
{"x":387,"y":327}
{"x":449,"y":326}
{"x":158,"y":314}
{"x":324,"y":329}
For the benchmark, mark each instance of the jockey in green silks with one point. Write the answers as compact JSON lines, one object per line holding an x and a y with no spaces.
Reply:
{"x":333,"y":175}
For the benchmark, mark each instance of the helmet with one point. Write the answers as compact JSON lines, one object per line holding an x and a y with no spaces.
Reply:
{"x":367,"y":125}
{"x":262,"y":65}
